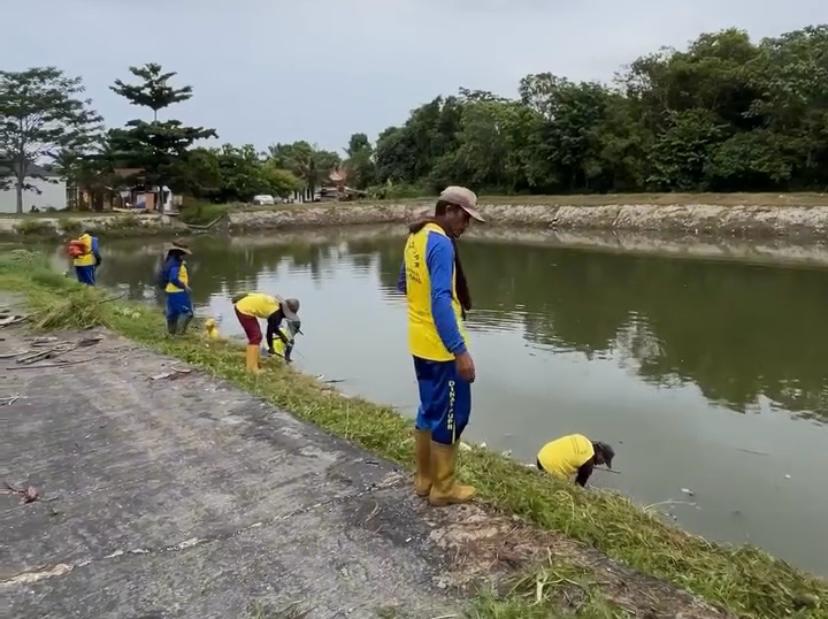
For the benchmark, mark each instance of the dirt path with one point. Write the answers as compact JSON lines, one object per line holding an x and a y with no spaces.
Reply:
{"x":187,"y":497}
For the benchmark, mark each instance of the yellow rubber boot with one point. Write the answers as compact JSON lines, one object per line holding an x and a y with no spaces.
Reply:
{"x":253,"y":359}
{"x":444,"y":488}
{"x":422,"y":456}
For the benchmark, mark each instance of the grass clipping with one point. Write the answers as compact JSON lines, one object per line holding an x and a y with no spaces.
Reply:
{"x":744,"y":580}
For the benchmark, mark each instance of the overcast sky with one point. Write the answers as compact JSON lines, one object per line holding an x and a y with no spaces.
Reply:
{"x":281,"y":70}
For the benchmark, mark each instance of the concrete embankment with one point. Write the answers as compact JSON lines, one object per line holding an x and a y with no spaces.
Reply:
{"x":111,"y":225}
{"x":695,"y":219}
{"x":733,"y":220}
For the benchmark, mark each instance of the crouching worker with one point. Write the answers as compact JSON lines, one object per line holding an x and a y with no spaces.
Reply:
{"x":86,"y":257}
{"x":177,"y":289}
{"x":574,"y":455}
{"x":250,"y":307}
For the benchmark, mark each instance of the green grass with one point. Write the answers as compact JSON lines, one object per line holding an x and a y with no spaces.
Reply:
{"x":557,"y":586}
{"x":34,"y":227}
{"x":203,"y":213}
{"x":744,"y":580}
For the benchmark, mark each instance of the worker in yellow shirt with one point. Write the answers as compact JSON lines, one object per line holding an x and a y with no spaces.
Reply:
{"x":438,"y":297}
{"x":252,"y":306}
{"x":574,"y":455}
{"x":86,"y":257}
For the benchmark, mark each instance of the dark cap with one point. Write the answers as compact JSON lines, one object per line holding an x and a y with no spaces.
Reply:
{"x":606,"y":451}
{"x":464,"y":198}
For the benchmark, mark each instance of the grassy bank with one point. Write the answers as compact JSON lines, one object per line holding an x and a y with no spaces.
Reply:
{"x":744,"y":580}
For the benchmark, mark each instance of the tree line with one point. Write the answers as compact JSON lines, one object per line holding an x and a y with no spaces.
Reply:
{"x":44,"y":117}
{"x":726,"y":114}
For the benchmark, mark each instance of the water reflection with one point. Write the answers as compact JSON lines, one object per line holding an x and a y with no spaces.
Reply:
{"x":737,"y":331}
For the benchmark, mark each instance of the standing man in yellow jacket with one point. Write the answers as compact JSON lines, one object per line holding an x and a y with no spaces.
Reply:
{"x":574,"y":456}
{"x":438,"y":298}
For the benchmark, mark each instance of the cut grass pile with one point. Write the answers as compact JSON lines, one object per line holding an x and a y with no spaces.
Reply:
{"x":743,"y":580}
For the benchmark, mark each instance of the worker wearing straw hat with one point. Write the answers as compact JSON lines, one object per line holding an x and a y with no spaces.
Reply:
{"x":438,"y":298}
{"x":252,"y":306}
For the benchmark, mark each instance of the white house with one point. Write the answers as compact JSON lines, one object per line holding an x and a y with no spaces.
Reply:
{"x":52,"y":193}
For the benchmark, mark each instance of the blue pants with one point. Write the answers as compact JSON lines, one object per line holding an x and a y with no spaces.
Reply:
{"x":178,"y":304}
{"x":445,"y":400}
{"x":86,"y":275}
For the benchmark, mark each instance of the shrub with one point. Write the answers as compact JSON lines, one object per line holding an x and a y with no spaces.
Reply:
{"x":35,"y":227}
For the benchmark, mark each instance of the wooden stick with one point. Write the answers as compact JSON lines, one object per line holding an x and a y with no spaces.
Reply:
{"x":49,"y":365}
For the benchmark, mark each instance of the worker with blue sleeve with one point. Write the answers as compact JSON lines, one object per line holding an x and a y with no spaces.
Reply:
{"x":176,"y":280}
{"x":87,"y":257}
{"x":438,"y":297}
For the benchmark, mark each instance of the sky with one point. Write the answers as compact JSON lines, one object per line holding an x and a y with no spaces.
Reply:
{"x":267,"y":71}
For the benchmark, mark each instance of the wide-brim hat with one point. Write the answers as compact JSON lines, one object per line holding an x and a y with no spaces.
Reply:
{"x":463,"y":197}
{"x":290,"y":309}
{"x":178,"y":246}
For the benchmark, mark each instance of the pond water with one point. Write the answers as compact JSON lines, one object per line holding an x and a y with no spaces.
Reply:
{"x":704,"y":375}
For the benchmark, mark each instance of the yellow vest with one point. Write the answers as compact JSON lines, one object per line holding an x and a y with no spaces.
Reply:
{"x":183,"y":277}
{"x":564,"y":456}
{"x":258,"y":305}
{"x":86,"y":259}
{"x":423,"y":339}
{"x":279,"y":347}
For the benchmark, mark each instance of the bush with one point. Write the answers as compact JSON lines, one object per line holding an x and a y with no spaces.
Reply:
{"x":202,"y":213}
{"x":71,"y":227}
{"x":397,"y":192}
{"x":35,"y":227}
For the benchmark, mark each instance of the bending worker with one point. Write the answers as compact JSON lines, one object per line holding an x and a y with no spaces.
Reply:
{"x":87,"y":257}
{"x":574,"y":455}
{"x":438,"y":297}
{"x":254,"y":305}
{"x":177,"y":289}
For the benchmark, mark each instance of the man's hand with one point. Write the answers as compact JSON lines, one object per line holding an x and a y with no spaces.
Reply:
{"x":465,"y":367}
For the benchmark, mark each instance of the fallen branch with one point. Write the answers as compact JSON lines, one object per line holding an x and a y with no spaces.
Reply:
{"x":50,"y":365}
{"x":115,"y":298}
{"x":29,"y":494}
{"x":12,"y":320}
{"x":670,"y":502}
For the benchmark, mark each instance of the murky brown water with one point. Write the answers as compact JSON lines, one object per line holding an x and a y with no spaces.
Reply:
{"x":706,"y":375}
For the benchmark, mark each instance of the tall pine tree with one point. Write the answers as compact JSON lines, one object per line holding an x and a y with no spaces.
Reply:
{"x":156,"y":147}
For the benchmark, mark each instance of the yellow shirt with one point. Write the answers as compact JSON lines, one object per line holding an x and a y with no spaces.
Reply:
{"x":86,"y":259}
{"x":183,"y":277}
{"x":258,"y":305}
{"x":564,"y":456}
{"x":424,"y":340}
